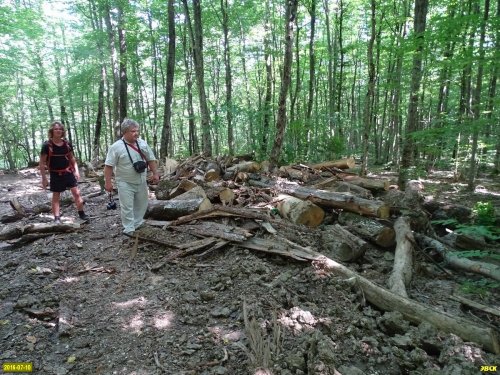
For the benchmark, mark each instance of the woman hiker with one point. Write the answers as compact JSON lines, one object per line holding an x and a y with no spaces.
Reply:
{"x":57,"y":156}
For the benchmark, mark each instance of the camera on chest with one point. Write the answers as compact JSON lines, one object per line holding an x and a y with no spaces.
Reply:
{"x":140,"y":166}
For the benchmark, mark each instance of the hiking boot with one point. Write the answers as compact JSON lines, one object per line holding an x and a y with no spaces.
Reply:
{"x":83,"y":215}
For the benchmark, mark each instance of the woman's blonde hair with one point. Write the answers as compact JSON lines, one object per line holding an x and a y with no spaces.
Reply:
{"x":51,"y":129}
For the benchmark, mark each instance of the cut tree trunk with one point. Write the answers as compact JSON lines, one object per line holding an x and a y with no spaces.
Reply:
{"x":187,"y":203}
{"x":341,"y":164}
{"x":342,"y":244}
{"x":373,"y":184}
{"x":454,"y":261}
{"x":299,"y":211}
{"x":246,"y":166}
{"x":403,"y":259}
{"x":324,"y":198}
{"x":369,"y":229}
{"x":184,"y":186}
{"x":9,"y":232}
{"x":347,"y":187}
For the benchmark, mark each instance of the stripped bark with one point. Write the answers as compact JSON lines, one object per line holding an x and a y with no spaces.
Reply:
{"x":403,"y":260}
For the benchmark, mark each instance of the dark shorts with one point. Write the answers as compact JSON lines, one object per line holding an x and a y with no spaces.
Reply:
{"x":61,"y":182}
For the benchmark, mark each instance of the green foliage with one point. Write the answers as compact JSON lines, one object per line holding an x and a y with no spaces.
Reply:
{"x":481,"y":287}
{"x":484,"y":213}
{"x":489,"y":232}
{"x":336,"y":146}
{"x":477,"y":254}
{"x":483,"y":223}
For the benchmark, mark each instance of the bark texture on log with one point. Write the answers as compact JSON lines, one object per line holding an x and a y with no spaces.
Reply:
{"x":403,"y":259}
{"x":454,"y":261}
{"x":299,"y":211}
{"x":369,"y":229}
{"x":187,"y":203}
{"x":341,"y":164}
{"x":9,"y":232}
{"x":246,"y":166}
{"x":344,"y":201}
{"x":347,"y":187}
{"x":342,"y":244}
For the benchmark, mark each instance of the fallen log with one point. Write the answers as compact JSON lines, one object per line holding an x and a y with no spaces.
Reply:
{"x":373,"y":184}
{"x":246,"y":166}
{"x":369,"y":229}
{"x":9,"y":232}
{"x":347,"y":187}
{"x":341,"y":164}
{"x":342,"y":244}
{"x":453,"y":260}
{"x":403,"y":259}
{"x":414,"y":311}
{"x":382,"y":298}
{"x":213,"y":229}
{"x":325,"y":198}
{"x":299,"y":211}
{"x":183,"y":187}
{"x":187,"y":203}
{"x":476,"y":305}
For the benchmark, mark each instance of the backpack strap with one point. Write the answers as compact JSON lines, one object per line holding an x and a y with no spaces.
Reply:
{"x":50,"y":145}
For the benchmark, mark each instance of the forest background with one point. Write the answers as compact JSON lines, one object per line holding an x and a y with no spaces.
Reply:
{"x":408,"y":83}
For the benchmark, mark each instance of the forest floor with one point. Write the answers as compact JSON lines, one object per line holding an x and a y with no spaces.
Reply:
{"x":76,"y":303}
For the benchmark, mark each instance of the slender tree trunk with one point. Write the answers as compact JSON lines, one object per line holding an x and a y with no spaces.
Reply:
{"x":229,"y":77}
{"x":331,"y":79}
{"x":290,"y":15}
{"x":312,"y":74}
{"x":476,"y":99}
{"x":166,"y":148}
{"x":42,"y":83}
{"x":341,"y":64}
{"x":370,"y":92}
{"x":116,"y":71}
{"x":123,"y":64}
{"x":492,"y":95}
{"x":196,"y":34}
{"x":193,"y":136}
{"x":269,"y":84}
{"x":154,"y":73}
{"x":408,"y":147}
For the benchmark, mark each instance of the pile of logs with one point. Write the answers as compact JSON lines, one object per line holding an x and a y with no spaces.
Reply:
{"x":346,"y":211}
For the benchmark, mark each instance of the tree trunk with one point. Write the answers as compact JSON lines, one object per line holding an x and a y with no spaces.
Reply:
{"x":476,"y":99}
{"x":342,"y":244}
{"x":196,"y":36}
{"x":166,"y":147}
{"x":403,"y":259}
{"x":312,"y":74}
{"x":116,"y":72}
{"x":229,"y":78}
{"x":299,"y":211}
{"x":367,"y":116}
{"x":290,"y":14}
{"x":412,"y":123}
{"x":368,"y":228}
{"x":123,"y":63}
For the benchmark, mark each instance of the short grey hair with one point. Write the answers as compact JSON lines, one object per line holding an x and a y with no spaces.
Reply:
{"x":127,"y":124}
